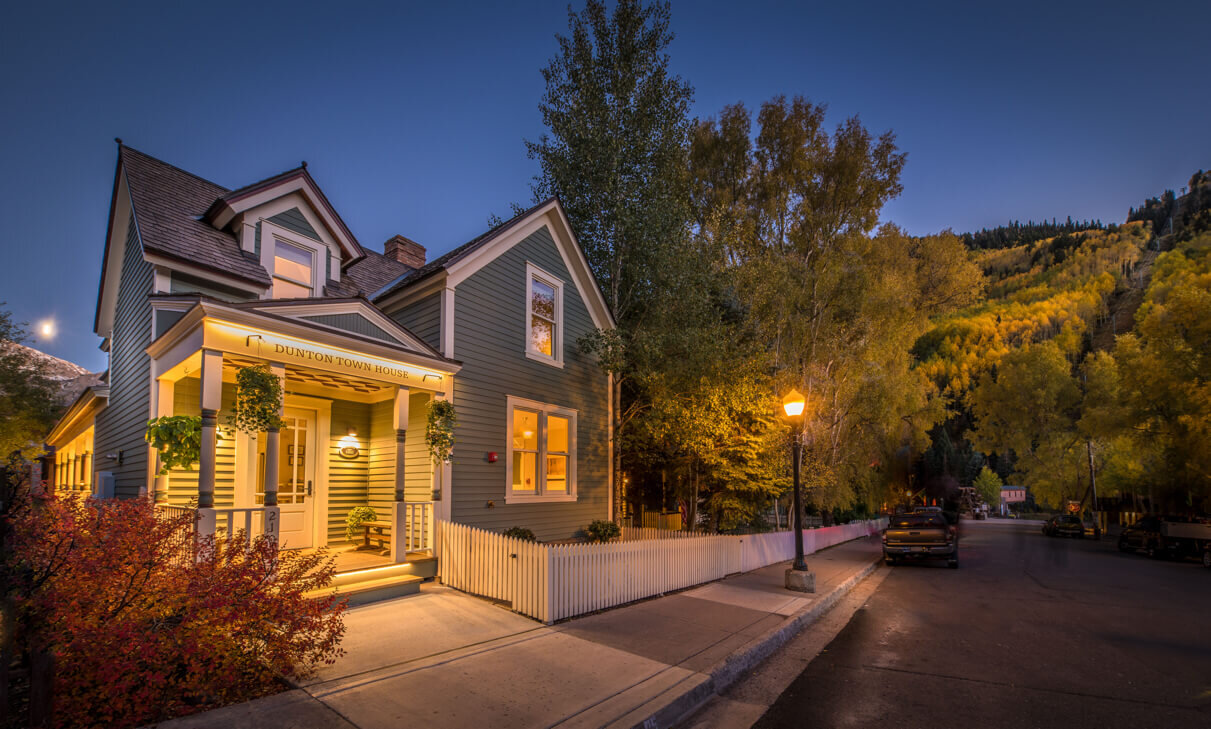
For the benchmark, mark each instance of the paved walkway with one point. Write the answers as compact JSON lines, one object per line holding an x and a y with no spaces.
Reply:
{"x":445,"y":659}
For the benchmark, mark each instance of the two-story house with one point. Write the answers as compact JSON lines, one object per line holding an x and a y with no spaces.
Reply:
{"x":198,"y":281}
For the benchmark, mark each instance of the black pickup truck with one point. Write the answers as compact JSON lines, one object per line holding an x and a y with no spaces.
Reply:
{"x":920,"y":536}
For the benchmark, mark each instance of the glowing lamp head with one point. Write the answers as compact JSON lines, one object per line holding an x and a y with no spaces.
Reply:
{"x":793,"y":403}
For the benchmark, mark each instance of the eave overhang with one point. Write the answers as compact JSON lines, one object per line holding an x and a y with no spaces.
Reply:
{"x":192,"y":332}
{"x":87,"y":405}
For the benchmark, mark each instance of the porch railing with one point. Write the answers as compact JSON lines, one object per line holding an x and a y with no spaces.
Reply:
{"x":229,"y":522}
{"x":417,"y":527}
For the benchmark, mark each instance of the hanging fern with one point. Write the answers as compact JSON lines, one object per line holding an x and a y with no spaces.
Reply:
{"x":439,"y":433}
{"x":177,"y":438}
{"x":258,"y":400}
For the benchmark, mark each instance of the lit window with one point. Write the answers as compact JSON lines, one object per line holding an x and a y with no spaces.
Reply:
{"x":544,"y":315}
{"x":542,"y":452}
{"x":293,"y":268}
{"x":525,"y":451}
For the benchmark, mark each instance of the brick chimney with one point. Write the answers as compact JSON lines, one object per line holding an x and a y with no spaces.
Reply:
{"x":406,"y":251}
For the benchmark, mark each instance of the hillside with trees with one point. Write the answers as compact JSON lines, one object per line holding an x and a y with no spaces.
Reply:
{"x":1086,"y":364}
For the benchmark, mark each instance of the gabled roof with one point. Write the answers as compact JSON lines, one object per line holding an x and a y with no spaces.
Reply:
{"x":412,"y":277}
{"x":230,"y":204}
{"x":289,"y":317}
{"x":468,"y":258}
{"x":170,"y":207}
{"x":375,"y":271}
{"x":168,"y":203}
{"x":313,"y":310}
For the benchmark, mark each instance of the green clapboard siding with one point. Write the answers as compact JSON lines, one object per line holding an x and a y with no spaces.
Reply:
{"x":348,"y":479}
{"x":293,"y":220}
{"x":423,"y":318}
{"x":355,"y":323}
{"x":489,"y":339}
{"x":418,"y":481}
{"x":121,"y":425}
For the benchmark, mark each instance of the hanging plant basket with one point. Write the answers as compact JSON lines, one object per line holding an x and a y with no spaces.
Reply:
{"x":178,"y":440}
{"x":258,"y":400}
{"x":439,"y":431}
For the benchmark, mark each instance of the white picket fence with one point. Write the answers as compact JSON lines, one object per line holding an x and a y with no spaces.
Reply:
{"x":635,"y":534}
{"x":550,"y":582}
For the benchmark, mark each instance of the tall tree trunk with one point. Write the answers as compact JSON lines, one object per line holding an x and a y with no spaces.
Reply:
{"x":619,"y":486}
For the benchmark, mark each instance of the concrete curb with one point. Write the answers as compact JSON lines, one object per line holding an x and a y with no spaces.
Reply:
{"x":666,"y":711}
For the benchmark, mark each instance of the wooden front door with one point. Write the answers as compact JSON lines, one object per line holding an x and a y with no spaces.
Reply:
{"x":296,"y":477}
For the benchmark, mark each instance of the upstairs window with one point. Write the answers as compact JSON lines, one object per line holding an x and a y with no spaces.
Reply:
{"x":544,"y":316}
{"x":293,"y":271}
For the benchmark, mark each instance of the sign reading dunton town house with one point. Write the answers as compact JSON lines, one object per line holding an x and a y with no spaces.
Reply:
{"x":290,"y":351}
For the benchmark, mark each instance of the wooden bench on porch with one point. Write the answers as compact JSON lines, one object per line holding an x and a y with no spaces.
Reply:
{"x":374,"y":532}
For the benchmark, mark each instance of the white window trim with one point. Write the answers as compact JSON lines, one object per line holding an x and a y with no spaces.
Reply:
{"x":533,"y":272}
{"x":270,"y":233}
{"x":544,"y":410}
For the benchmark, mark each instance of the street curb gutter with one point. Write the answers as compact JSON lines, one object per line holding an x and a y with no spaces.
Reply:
{"x":672,"y":709}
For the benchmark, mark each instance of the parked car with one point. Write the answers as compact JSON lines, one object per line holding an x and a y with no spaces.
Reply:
{"x":920,"y":536}
{"x":1064,"y":525}
{"x":1169,"y":536}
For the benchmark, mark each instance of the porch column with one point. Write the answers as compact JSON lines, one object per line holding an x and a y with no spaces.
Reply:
{"x":399,"y":527}
{"x":165,"y":391}
{"x":212,"y":394}
{"x":272,"y":523}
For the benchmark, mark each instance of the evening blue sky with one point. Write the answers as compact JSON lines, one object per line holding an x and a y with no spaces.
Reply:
{"x":412,"y":116}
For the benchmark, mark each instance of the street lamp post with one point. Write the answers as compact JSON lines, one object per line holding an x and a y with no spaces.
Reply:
{"x":798,"y":577}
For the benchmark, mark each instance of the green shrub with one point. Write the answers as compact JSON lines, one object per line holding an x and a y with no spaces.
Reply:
{"x":358,"y":515}
{"x":602,"y":531}
{"x":520,"y":533}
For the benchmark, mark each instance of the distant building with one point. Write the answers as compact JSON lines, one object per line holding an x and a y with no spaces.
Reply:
{"x":1012,"y":495}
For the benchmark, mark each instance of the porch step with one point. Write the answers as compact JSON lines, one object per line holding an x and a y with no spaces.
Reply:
{"x":372,"y":586}
{"x":376,"y":573}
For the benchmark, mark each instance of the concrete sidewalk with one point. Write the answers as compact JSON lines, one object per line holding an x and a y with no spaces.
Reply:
{"x":445,"y":659}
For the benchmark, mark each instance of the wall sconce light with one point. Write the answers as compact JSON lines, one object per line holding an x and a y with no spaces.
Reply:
{"x":349,"y":447}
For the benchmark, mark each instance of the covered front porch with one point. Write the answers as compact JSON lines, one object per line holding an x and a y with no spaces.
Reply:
{"x":352,"y":435}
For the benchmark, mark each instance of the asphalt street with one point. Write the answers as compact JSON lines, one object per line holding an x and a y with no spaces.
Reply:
{"x":1030,"y":631}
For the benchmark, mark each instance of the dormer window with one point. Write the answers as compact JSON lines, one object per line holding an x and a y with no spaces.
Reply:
{"x":544,"y":316}
{"x":293,"y":271}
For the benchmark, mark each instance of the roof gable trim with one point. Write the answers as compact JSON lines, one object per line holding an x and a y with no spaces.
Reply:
{"x":228,"y":207}
{"x":552,"y":217}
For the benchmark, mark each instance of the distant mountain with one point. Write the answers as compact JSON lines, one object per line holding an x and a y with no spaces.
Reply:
{"x":71,"y":377}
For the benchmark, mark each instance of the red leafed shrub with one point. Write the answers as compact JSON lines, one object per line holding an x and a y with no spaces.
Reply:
{"x":141,"y":630}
